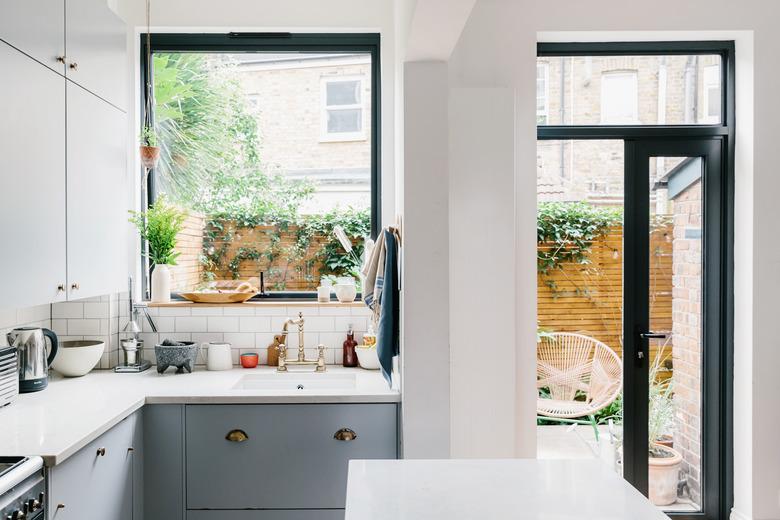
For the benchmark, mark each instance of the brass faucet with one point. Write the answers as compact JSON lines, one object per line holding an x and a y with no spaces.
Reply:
{"x":283,"y":361}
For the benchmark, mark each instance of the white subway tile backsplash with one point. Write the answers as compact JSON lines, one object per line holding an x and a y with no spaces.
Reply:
{"x":83,"y":327}
{"x":246,"y":328}
{"x":353,"y":322}
{"x":97,"y":310}
{"x":206,"y":311}
{"x":174,"y":311}
{"x":205,"y":337}
{"x":222,"y":323}
{"x":238,"y":311}
{"x":34,"y":314}
{"x":254,"y":324}
{"x":69,"y":310}
{"x":192,"y":324}
{"x":239,"y":339}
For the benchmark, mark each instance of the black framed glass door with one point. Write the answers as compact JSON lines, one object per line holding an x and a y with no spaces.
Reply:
{"x":674,"y":339}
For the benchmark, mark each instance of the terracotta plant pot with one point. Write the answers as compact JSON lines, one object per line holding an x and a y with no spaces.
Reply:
{"x":664,"y":473}
{"x":150,"y":155}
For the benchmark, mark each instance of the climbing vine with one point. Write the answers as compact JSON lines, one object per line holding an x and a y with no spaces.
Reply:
{"x":305,"y":247}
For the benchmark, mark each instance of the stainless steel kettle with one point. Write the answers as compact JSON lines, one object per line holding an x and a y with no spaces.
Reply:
{"x":33,"y":363}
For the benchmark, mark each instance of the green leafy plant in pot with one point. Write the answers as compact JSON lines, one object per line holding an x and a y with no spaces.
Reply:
{"x":159,"y":227}
{"x":149,"y":149}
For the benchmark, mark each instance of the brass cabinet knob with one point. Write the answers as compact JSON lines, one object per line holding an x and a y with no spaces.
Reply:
{"x":73,"y":66}
{"x":237,"y":436}
{"x":101,"y":452}
{"x":130,"y":449}
{"x":75,"y":286}
{"x":60,"y":506}
{"x":61,"y":287}
{"x":60,"y":59}
{"x":345,"y":434}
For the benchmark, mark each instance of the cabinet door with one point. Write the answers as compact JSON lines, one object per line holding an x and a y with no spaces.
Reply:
{"x":32,"y":181}
{"x":163,"y":477}
{"x":96,"y":48}
{"x":97,"y":482}
{"x":35,"y":27}
{"x":290,"y":460}
{"x":97,"y":202}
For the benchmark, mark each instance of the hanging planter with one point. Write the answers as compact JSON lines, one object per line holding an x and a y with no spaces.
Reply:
{"x":149,"y":149}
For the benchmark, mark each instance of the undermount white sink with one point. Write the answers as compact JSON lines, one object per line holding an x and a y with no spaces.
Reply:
{"x":300,"y":381}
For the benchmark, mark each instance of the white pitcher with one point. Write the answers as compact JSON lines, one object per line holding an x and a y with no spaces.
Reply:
{"x":218,"y":356}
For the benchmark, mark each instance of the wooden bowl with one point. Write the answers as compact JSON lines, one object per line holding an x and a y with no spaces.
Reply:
{"x":218,"y":297}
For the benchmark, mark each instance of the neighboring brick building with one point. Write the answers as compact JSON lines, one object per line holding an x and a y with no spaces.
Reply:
{"x":314,"y":120}
{"x":622,"y":90}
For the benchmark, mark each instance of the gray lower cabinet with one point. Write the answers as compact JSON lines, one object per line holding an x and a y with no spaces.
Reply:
{"x":289,"y":460}
{"x":163,"y":477}
{"x":97,"y":483}
{"x":290,"y":514}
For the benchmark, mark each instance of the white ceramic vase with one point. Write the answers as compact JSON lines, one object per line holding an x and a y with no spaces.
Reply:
{"x":161,"y":284}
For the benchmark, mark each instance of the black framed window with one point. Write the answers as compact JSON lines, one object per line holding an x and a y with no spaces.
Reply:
{"x":269,"y":142}
{"x":639,"y":136}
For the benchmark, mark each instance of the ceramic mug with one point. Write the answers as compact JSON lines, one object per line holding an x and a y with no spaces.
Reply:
{"x":219,"y":356}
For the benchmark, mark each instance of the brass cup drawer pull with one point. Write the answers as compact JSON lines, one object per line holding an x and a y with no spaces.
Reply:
{"x":345,"y":434}
{"x":101,"y":452}
{"x":237,"y":436}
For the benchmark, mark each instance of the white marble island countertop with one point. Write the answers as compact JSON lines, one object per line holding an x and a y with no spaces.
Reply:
{"x":58,"y":421}
{"x":492,"y":489}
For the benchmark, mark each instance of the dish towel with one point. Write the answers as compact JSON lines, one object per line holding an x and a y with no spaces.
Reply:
{"x":388,"y":300}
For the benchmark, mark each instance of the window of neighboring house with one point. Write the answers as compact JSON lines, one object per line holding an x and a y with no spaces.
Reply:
{"x":542,"y":93}
{"x":342,"y":109}
{"x":711,"y":93}
{"x":619,"y":98}
{"x":240,"y":123}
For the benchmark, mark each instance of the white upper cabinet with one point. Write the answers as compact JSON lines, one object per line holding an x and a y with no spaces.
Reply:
{"x":96,"y":49}
{"x":37,"y":28}
{"x":97,"y":202}
{"x":32,"y":182}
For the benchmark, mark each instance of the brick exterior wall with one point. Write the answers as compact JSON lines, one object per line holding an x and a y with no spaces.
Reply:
{"x":288,"y":99}
{"x":686,"y":328}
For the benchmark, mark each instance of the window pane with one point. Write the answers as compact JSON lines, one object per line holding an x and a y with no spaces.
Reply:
{"x":642,"y":90}
{"x":340,"y":121}
{"x":343,"y":93}
{"x":243,"y":154}
{"x":619,"y":98}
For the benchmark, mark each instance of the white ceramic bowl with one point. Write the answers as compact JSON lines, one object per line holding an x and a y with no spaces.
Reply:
{"x":345,"y":292}
{"x":77,"y":358}
{"x":367,"y":357}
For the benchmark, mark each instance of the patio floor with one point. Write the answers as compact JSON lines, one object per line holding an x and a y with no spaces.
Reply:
{"x":579,"y":442}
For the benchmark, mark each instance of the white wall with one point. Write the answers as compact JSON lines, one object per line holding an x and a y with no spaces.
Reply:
{"x":497,"y":49}
{"x":426,"y":352}
{"x":482,"y":280}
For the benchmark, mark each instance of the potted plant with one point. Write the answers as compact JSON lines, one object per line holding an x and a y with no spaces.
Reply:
{"x":159,"y":227}
{"x":149,"y":149}
{"x":663,"y":460}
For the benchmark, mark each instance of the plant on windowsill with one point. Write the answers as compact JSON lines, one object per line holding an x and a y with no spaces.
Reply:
{"x":663,"y":461}
{"x":158,"y":227}
{"x":149,"y":149}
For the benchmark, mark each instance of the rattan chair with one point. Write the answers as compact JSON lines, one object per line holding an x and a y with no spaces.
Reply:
{"x":576,"y":376}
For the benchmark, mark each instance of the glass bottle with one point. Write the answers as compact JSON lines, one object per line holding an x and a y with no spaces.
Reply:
{"x":350,"y":356}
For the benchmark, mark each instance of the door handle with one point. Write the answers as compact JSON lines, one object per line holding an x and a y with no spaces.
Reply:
{"x":653,"y":335}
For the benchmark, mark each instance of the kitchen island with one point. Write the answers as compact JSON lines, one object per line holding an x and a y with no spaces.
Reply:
{"x":492,"y":489}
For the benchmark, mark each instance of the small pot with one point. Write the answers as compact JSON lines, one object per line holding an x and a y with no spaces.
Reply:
{"x":345,"y":292}
{"x":150,"y":156}
{"x":663,"y":473}
{"x":249,"y":360}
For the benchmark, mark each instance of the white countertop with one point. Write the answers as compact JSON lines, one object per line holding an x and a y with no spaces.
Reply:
{"x":58,"y":421}
{"x":492,"y":489}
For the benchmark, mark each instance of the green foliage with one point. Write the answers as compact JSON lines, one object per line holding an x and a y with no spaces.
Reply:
{"x":148,"y":136}
{"x":158,"y":226}
{"x":567,"y":230}
{"x":209,"y":159}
